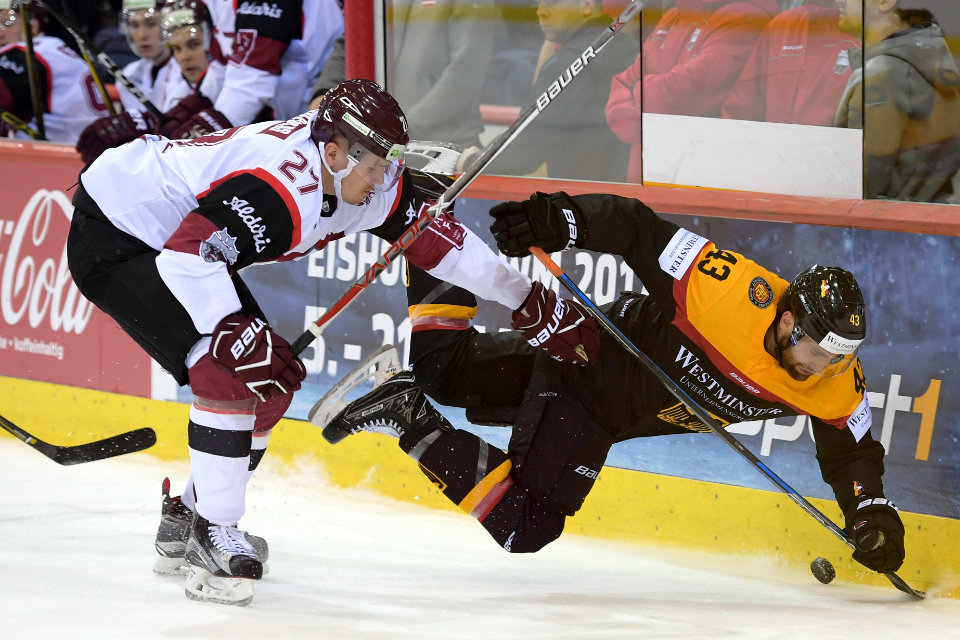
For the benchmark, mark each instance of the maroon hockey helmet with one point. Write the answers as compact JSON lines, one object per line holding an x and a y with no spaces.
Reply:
{"x":366,"y":115}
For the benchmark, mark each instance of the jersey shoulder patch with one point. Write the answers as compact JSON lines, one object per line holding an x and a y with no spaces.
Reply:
{"x":681,"y":252}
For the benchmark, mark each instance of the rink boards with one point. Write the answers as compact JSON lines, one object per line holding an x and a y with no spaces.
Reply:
{"x":626,"y":505}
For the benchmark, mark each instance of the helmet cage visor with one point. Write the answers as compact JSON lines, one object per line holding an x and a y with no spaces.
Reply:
{"x":381,"y":173}
{"x":829,"y":357}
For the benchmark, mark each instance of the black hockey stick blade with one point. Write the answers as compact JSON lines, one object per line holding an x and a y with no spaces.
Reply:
{"x":118,"y":445}
{"x":901,"y":584}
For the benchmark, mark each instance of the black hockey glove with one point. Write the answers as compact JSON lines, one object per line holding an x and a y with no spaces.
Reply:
{"x":560,"y":327}
{"x":876,"y":529}
{"x":551,"y":222}
{"x":112,"y":131}
{"x":259,"y":357}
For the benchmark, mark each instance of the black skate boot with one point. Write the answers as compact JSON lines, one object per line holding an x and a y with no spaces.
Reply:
{"x":223,"y":564}
{"x":397,"y":407}
{"x":174,"y":530}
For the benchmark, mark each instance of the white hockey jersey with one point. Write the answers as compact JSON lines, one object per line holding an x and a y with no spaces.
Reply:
{"x":211,"y":82}
{"x":275,"y":51}
{"x":164,"y":87}
{"x":253,"y":194}
{"x":72,"y":98}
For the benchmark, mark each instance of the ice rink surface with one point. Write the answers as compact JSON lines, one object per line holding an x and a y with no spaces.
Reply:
{"x":349,"y":564}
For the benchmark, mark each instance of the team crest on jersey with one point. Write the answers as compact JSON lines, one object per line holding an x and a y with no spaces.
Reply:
{"x":219,"y":247}
{"x":761,"y":294}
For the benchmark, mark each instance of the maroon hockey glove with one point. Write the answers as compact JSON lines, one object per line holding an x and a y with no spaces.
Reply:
{"x":192,"y":117}
{"x":258,"y":355}
{"x":560,"y":327}
{"x":876,"y":529}
{"x":551,"y":222}
{"x":112,"y":131}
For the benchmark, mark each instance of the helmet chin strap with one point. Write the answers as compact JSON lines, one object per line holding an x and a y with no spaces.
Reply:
{"x":778,"y":349}
{"x":337,"y":176}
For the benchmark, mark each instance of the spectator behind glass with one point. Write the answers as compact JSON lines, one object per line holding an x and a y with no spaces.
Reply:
{"x":140,"y":24}
{"x":440,"y":54}
{"x":798,"y":69}
{"x":570,"y":139}
{"x":65,"y":88}
{"x":912,"y":133}
{"x":688,"y":65}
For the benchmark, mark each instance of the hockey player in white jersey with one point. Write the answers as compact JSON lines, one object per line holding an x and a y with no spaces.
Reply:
{"x":155,"y":73}
{"x":274,"y":52}
{"x":162,"y":228}
{"x":67,"y":89}
{"x":195,"y":79}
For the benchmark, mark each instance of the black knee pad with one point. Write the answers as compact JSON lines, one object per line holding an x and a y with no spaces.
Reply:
{"x":558,"y":449}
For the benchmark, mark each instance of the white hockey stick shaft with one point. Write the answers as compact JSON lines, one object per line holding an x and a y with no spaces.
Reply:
{"x":490,"y":153}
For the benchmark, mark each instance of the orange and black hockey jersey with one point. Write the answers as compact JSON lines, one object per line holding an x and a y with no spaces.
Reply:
{"x":704,"y":323}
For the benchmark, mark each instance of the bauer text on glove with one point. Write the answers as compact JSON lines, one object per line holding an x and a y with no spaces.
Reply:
{"x":551,"y":222}
{"x":560,"y":327}
{"x":877,"y":531}
{"x":259,"y":356}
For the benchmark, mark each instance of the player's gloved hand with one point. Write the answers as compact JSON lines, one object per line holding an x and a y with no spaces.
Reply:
{"x":112,"y":131}
{"x":192,"y":117}
{"x":560,"y":327}
{"x":549,"y":221}
{"x":258,"y":355}
{"x":876,"y":529}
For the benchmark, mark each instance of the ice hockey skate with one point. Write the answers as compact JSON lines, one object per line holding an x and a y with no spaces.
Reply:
{"x":223,"y":565}
{"x":379,"y":365}
{"x":174,"y":531}
{"x":395,"y":407}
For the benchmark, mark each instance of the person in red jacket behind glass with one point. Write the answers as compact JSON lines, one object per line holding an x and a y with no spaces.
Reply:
{"x":688,"y":65}
{"x":798,"y":69}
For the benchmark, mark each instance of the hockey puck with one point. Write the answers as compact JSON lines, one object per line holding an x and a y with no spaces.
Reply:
{"x":823,"y":570}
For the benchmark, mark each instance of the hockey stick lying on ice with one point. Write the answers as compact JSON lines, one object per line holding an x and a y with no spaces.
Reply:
{"x":469,"y":175}
{"x":90,"y":51}
{"x":117,"y":445}
{"x":705,"y":417}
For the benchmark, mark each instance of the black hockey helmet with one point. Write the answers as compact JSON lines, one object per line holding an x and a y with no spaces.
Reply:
{"x":828,"y":306}
{"x":366,"y":115}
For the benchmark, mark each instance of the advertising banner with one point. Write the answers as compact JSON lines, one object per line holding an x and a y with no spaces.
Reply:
{"x":48,"y":330}
{"x":910,"y":357}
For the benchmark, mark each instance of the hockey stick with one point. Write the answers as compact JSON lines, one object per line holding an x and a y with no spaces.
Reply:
{"x":117,"y":445}
{"x":705,"y":417}
{"x":468,"y":176}
{"x":32,"y":73}
{"x":18,"y":124}
{"x":88,"y":58}
{"x":90,"y":50}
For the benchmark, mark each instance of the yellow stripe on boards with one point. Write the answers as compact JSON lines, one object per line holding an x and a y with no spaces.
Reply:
{"x":625,"y":505}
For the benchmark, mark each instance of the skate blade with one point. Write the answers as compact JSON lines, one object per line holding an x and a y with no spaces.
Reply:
{"x":204,"y":586}
{"x":171,"y":566}
{"x":180,"y":567}
{"x":379,"y":365}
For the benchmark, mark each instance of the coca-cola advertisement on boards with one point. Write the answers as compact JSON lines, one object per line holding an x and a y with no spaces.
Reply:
{"x":48,"y":330}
